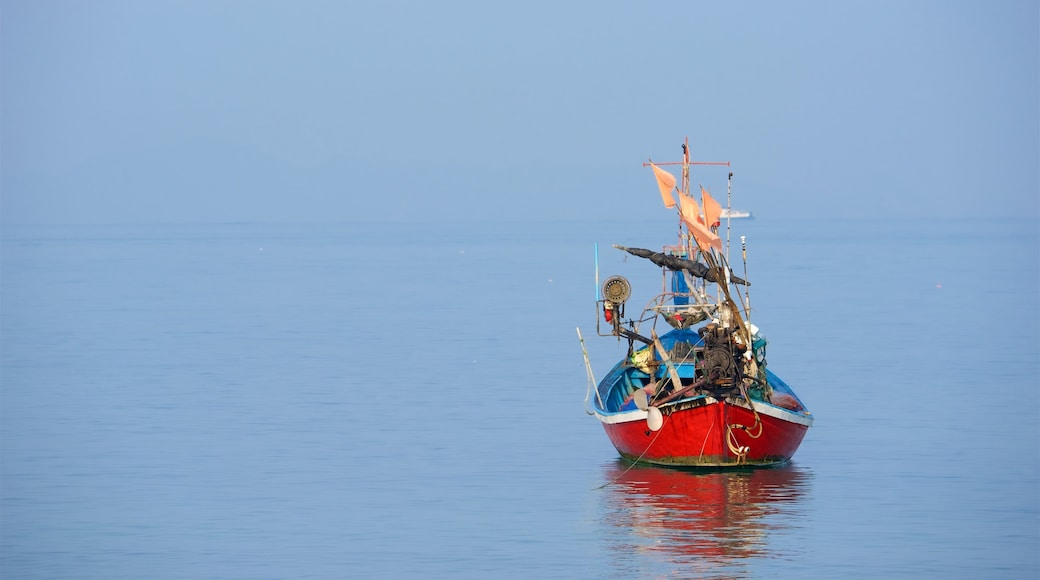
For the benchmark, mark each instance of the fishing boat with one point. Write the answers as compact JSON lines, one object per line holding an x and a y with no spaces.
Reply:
{"x":700,"y":393}
{"x":734,"y":214}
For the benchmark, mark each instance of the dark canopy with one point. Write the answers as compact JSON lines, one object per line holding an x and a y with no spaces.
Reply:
{"x":679,"y":264}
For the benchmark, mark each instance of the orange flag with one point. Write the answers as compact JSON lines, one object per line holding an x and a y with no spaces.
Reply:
{"x":689,"y":210}
{"x":705,"y":237}
{"x":691,"y":216}
{"x":666,"y":182}
{"x":712,"y":209}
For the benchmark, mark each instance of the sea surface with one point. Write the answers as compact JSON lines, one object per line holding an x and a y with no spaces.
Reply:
{"x":407,"y":400}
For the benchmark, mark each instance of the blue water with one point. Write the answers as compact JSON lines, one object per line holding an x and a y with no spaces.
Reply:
{"x":406,"y":400}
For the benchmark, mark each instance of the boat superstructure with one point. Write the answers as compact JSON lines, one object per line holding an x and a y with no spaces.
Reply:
{"x":700,"y":394}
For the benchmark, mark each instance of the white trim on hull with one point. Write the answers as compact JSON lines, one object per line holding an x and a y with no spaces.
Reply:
{"x":763,"y":408}
{"x":782,"y":414}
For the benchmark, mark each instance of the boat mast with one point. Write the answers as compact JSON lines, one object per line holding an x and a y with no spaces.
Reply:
{"x":686,"y":240}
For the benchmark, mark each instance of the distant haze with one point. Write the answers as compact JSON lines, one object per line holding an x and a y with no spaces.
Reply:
{"x":118,"y":111}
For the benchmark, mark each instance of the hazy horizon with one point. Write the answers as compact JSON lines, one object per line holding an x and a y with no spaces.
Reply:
{"x":121,"y":112}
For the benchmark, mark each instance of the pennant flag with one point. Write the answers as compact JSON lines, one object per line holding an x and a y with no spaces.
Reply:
{"x":691,"y":216}
{"x":666,"y":183}
{"x":689,"y":210}
{"x":705,"y":237}
{"x":712,"y":209}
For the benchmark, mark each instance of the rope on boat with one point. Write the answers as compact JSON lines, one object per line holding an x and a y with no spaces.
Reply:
{"x":635,"y":461}
{"x":731,"y":439}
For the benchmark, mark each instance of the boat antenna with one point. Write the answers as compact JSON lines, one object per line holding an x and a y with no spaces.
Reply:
{"x":685,"y":185}
{"x":729,"y":210}
{"x":747,"y":293}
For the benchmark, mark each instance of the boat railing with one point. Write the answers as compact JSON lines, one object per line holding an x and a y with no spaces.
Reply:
{"x":682,"y":310}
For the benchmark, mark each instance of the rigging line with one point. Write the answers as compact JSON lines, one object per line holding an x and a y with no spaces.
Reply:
{"x":728,"y":302}
{"x":746,"y":305}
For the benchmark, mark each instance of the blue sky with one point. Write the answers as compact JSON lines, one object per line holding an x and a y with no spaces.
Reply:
{"x":216,"y":111}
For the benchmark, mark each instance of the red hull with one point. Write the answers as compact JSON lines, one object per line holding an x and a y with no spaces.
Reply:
{"x":709,"y":436}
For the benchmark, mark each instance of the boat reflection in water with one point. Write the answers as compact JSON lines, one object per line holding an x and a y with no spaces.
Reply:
{"x":699,"y":522}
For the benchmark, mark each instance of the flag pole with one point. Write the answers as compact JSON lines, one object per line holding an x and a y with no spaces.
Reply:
{"x":747,"y":292}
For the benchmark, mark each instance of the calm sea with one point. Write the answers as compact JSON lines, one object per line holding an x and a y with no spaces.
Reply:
{"x":406,"y":400}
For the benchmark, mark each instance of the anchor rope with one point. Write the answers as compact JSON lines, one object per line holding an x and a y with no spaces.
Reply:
{"x":636,"y":460}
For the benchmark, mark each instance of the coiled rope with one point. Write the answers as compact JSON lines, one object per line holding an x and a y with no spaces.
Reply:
{"x":731,"y":439}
